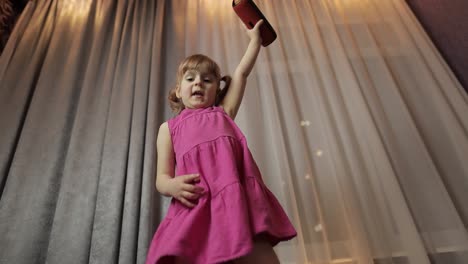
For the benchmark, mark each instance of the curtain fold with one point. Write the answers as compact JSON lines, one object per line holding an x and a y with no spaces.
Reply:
{"x":355,"y":120}
{"x":79,"y":113}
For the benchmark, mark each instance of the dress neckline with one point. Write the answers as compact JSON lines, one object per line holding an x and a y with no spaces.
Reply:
{"x":196,"y":110}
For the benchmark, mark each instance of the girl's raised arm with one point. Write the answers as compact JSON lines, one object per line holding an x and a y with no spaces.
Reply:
{"x":233,"y":98}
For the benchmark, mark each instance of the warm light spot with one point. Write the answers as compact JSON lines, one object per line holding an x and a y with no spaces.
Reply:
{"x":305,"y":123}
{"x":318,"y":228}
{"x":76,"y":8}
{"x":215,"y":9}
{"x":319,"y":153}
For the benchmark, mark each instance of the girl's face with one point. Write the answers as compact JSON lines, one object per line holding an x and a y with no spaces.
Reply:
{"x":197,"y":89}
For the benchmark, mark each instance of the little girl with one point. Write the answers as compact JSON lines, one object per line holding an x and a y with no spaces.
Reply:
{"x":221,"y":210}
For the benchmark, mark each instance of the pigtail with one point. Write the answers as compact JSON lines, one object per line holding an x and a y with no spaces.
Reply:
{"x":175,"y":103}
{"x":222,"y":93}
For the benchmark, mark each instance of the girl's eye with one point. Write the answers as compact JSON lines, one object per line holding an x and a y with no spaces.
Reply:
{"x":189,"y":79}
{"x":207,"y":80}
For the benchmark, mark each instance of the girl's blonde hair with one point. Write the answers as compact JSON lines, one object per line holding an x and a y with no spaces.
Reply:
{"x":200,"y":63}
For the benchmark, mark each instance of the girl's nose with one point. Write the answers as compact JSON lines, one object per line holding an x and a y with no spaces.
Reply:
{"x":197,"y":80}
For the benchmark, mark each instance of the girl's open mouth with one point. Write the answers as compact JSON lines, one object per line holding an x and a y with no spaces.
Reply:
{"x":198,"y":94}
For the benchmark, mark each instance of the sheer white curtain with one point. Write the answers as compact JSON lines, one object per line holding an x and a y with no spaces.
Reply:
{"x":357,"y":124}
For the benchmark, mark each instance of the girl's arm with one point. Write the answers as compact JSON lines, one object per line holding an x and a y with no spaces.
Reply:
{"x":183,"y":187}
{"x":165,"y":164}
{"x":233,"y":98}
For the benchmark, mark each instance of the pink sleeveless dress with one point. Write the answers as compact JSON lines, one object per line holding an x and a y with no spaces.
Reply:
{"x":236,"y":205}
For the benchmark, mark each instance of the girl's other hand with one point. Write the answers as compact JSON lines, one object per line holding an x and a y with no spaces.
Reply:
{"x":254,"y":33}
{"x":183,"y":188}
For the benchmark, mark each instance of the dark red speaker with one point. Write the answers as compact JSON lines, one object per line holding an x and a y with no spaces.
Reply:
{"x":249,"y":13}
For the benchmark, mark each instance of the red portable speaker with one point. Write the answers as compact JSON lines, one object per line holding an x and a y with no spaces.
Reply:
{"x":249,"y":13}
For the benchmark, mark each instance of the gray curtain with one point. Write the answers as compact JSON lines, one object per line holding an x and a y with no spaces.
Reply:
{"x":78,"y":100}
